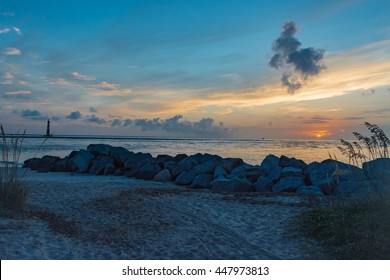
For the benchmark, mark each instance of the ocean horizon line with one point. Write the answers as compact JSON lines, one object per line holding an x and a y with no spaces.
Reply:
{"x":119,"y":137}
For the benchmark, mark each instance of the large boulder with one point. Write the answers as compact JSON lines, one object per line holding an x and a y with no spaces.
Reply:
{"x":99,"y":165}
{"x":291,"y":172}
{"x":206,"y":167}
{"x":231,"y":185}
{"x":135,"y":161}
{"x":179,"y":157}
{"x":270,"y":163}
{"x":220,"y":173}
{"x":61,"y":165}
{"x":330,"y":174}
{"x":43,"y":164}
{"x":162,"y":159}
{"x":291,"y":162}
{"x":275,"y":174}
{"x":185,"y":165}
{"x":263,"y":184}
{"x":230,"y":163}
{"x":288,"y":184}
{"x":148,"y":171}
{"x":202,"y":181}
{"x":80,"y":161}
{"x":185,"y":178}
{"x":246,"y":171}
{"x":163,"y":176}
{"x":110,"y":168}
{"x":378,"y":172}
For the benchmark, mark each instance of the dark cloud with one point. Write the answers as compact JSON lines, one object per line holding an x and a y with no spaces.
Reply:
{"x":95,"y":119}
{"x":298,"y":63}
{"x":74,"y":115}
{"x":93,"y":110}
{"x":316,"y":120}
{"x":127,"y":122}
{"x":116,"y":122}
{"x":33,"y":115}
{"x":55,"y":118}
{"x":177,"y":124}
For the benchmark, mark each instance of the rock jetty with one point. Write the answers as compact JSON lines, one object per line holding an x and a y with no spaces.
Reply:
{"x":206,"y":171}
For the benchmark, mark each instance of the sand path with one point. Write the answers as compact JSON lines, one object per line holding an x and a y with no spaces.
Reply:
{"x":107,"y":217}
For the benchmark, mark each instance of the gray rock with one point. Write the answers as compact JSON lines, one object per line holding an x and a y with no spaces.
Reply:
{"x":231,"y":185}
{"x":207,"y":167}
{"x":310,"y":190}
{"x":275,"y":174}
{"x":202,"y":181}
{"x":353,"y":188}
{"x":291,"y":172}
{"x":246,"y":171}
{"x":80,"y":161}
{"x":179,"y":157}
{"x":230,"y":163}
{"x":148,"y":171}
{"x":185,"y":178}
{"x":120,"y":155}
{"x":207,"y":157}
{"x":163,"y":176}
{"x":378,"y":171}
{"x":288,"y":184}
{"x":99,"y":149}
{"x":291,"y":162}
{"x":110,"y":168}
{"x":135,"y":161}
{"x":162,"y":159}
{"x":43,"y":164}
{"x":269,"y":164}
{"x":185,"y":165}
{"x":263,"y":184}
{"x":220,"y":173}
{"x":99,"y":164}
{"x":61,"y":165}
{"x":329,"y":173}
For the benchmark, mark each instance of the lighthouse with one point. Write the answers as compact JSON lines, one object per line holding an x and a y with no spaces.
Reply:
{"x":48,"y":129}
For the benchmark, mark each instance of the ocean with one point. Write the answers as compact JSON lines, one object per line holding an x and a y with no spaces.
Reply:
{"x":251,"y":151}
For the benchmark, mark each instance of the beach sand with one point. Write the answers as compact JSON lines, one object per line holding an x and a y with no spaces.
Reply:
{"x":80,"y":216}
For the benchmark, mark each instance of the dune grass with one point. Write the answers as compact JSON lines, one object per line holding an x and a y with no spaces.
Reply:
{"x":13,"y":191}
{"x":355,"y":230}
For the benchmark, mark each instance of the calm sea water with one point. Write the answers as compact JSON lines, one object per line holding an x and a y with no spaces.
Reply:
{"x":251,"y":151}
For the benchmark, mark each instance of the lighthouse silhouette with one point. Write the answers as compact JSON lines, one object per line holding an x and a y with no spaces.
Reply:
{"x":48,"y":129}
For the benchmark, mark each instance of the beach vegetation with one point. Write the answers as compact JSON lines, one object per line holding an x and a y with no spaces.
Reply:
{"x":354,"y":230}
{"x":13,"y":191}
{"x":366,"y":148}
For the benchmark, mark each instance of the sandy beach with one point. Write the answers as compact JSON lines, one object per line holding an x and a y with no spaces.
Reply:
{"x":80,"y":216}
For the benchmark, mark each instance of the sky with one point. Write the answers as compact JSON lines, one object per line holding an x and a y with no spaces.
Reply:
{"x":219,"y":68}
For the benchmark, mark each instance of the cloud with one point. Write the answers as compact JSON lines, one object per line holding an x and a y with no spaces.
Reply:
{"x":18,"y":92}
{"x":127,"y":122}
{"x":8,"y":14}
{"x":33,"y":115}
{"x":298,"y":63}
{"x":17,"y":30}
{"x":8,"y":75}
{"x":105,"y":88}
{"x":78,"y":76}
{"x":12,"y":51}
{"x":116,"y":122}
{"x":316,"y":120}
{"x":177,"y":124}
{"x":95,"y":119}
{"x":4,"y":30}
{"x":74,"y":115}
{"x":93,"y":110}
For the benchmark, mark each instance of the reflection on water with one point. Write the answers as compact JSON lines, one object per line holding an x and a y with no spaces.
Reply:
{"x":251,"y":151}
